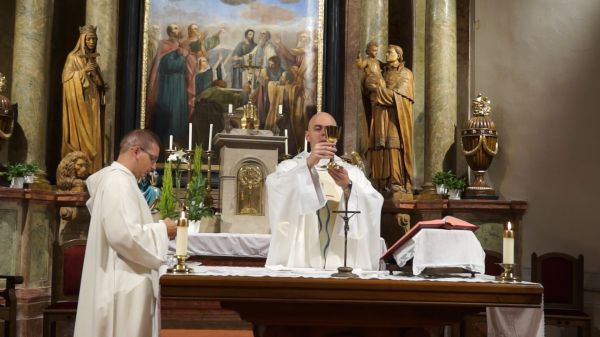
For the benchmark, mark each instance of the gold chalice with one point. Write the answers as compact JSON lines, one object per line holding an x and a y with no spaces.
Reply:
{"x":332,"y":133}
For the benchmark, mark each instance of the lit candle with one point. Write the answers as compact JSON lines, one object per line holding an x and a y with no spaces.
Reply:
{"x":286,"y":142}
{"x":182,"y":236}
{"x":210,"y":137}
{"x":190,"y":137}
{"x":170,"y":142}
{"x":305,"y":144}
{"x":230,"y":108}
{"x":508,"y":245}
{"x":280,"y":109}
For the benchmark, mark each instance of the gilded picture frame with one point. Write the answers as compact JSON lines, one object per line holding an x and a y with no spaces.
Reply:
{"x":233,"y":41}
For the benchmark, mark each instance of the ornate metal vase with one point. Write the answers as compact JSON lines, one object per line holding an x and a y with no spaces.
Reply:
{"x":480,"y":145}
{"x":7,"y":117}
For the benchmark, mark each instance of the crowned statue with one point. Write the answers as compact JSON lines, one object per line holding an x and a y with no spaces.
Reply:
{"x":83,"y":100}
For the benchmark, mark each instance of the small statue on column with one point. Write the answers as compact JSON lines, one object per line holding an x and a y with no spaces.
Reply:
{"x":83,"y":100}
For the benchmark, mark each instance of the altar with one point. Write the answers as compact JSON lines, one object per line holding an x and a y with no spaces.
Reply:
{"x":292,"y":302}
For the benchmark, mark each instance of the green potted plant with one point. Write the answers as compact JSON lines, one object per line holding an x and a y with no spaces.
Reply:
{"x":440,"y":180}
{"x":196,"y":191}
{"x":20,"y":173}
{"x":455,"y":186}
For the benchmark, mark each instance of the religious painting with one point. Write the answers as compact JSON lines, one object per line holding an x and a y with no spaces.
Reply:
{"x":204,"y":59}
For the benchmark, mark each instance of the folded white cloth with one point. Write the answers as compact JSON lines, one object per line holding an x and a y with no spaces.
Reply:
{"x":442,"y":248}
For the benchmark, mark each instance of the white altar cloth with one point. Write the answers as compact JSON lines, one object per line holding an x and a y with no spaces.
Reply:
{"x":227,"y":244}
{"x":442,"y":248}
{"x":234,"y":245}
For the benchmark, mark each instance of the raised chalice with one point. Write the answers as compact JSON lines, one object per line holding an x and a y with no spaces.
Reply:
{"x":332,"y":133}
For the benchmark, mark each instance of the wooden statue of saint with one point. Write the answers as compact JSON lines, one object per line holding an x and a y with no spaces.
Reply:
{"x":390,"y":150}
{"x":83,"y":100}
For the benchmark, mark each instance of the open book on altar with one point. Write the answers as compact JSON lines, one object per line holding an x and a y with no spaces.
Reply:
{"x":448,"y":222}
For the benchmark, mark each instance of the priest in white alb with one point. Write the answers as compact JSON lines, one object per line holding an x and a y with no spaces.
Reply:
{"x":302,"y":195}
{"x":125,"y":247}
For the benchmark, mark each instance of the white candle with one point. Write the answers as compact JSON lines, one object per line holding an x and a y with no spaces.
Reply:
{"x":305,"y":144}
{"x":181,"y":241}
{"x":286,"y":141}
{"x":508,"y":245}
{"x":210,"y":137}
{"x":190,"y":137}
{"x":230,"y":108}
{"x":170,"y":142}
{"x":280,"y":109}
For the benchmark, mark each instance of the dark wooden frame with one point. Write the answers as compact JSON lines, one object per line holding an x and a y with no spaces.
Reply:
{"x":8,"y":311}
{"x":62,"y":307}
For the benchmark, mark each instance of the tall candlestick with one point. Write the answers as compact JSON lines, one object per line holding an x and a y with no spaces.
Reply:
{"x":170,"y":142}
{"x":508,"y":245}
{"x":305,"y":144}
{"x":190,"y":137}
{"x":280,"y":109}
{"x":210,"y":137}
{"x":230,"y":109}
{"x":286,"y":142}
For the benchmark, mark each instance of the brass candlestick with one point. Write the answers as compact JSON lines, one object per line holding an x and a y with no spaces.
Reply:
{"x":507,"y":274}
{"x":181,"y":246}
{"x":208,"y":199}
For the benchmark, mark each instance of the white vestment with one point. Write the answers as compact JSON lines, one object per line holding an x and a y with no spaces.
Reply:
{"x":125,"y":248}
{"x":294,"y":197}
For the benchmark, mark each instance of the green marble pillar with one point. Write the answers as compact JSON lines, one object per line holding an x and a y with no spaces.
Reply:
{"x":440,"y":84}
{"x":33,"y":27}
{"x":104,"y":14}
{"x":374,"y":25}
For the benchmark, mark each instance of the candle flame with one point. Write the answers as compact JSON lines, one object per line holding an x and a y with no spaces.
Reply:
{"x":509,"y":226}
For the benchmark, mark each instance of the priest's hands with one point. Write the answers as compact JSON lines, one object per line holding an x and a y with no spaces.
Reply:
{"x":340,"y":176}
{"x":171,"y":228}
{"x":321,"y":150}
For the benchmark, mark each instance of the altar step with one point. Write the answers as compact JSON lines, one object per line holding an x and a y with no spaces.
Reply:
{"x":205,"y":333}
{"x":200,"y":315}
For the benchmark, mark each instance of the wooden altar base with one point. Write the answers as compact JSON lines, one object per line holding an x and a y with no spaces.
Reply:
{"x":283,"y":306}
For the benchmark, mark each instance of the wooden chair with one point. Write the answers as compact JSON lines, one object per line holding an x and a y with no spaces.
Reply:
{"x":562,"y":278}
{"x":8,"y":310}
{"x":492,"y":260}
{"x":67,"y":266}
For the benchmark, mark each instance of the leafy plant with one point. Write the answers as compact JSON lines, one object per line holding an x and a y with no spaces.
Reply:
{"x":455,"y":183}
{"x":441,"y":177}
{"x":167,"y":204}
{"x":196,"y":190}
{"x":21,"y":169}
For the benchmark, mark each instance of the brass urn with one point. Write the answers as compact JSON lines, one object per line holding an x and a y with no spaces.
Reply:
{"x":480,"y":145}
{"x":7,"y":114}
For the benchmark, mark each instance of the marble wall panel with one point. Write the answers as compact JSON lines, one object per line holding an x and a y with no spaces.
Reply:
{"x":9,"y":220}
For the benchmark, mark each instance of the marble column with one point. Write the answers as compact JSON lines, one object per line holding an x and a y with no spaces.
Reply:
{"x":440,"y":84}
{"x":374,"y":25}
{"x":33,"y":27}
{"x":104,"y":14}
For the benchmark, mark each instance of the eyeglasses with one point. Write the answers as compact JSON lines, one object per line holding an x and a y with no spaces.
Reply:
{"x":153,"y":158}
